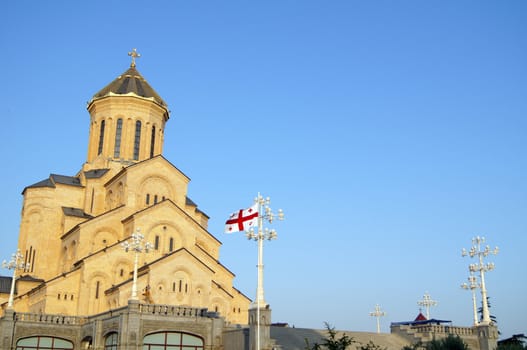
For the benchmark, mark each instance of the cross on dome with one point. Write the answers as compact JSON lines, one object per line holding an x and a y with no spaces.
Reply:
{"x":134,"y":54}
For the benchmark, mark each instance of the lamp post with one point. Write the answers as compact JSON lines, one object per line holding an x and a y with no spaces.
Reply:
{"x":378,"y":314}
{"x":479,"y":253}
{"x":427,"y":302}
{"x":14,"y":264}
{"x":472,"y":285}
{"x":136,"y":245}
{"x":265,"y":213}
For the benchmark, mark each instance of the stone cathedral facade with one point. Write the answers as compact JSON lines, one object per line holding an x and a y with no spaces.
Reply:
{"x":72,"y":227}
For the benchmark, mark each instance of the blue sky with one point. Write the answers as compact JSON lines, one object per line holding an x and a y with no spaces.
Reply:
{"x":389,"y":132}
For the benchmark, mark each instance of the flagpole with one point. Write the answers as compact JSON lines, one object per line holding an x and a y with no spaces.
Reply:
{"x":264,"y":213}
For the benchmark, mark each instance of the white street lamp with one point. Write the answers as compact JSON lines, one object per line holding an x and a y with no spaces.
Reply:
{"x":476,"y":251}
{"x":378,"y":314}
{"x":472,"y":285}
{"x":14,"y":264}
{"x":427,"y":302}
{"x":136,"y":245}
{"x":264,"y":213}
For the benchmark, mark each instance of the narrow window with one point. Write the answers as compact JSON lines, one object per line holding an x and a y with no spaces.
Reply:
{"x":173,"y":286}
{"x":137,"y":139}
{"x":101,"y":137}
{"x":118,"y":131}
{"x":186,"y":288}
{"x":147,"y":198}
{"x":155,"y":199}
{"x":156,"y":243}
{"x":58,"y":296}
{"x":92,"y":197}
{"x":152,"y":141}
{"x":121,"y":273}
{"x":180,"y":284}
{"x":33,"y":260}
{"x":97,"y":289}
{"x":171,"y":244}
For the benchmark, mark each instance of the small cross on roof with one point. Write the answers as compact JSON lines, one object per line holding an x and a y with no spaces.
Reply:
{"x":134,"y":54}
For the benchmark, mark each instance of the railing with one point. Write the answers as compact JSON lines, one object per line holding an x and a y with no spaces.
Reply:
{"x":153,"y":309}
{"x":48,"y":318}
{"x":171,"y":310}
{"x":440,"y":329}
{"x":430,"y":329}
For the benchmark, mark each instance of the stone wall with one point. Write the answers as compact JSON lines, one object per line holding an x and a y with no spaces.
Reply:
{"x":131,"y":322}
{"x":477,"y":338}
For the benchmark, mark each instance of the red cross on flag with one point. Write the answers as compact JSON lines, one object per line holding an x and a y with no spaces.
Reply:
{"x":242,"y":220}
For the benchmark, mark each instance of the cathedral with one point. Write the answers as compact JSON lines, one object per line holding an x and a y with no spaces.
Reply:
{"x":74,"y":228}
{"x":118,"y":257}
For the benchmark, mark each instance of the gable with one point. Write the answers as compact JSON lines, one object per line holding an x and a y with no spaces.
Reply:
{"x":167,"y":219}
{"x":148,"y":182}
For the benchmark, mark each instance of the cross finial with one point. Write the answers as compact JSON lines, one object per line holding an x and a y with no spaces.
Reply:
{"x":427,"y":302}
{"x":378,"y":313}
{"x":134,"y":55}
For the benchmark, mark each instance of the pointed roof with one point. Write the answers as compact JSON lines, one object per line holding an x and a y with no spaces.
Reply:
{"x":420,"y":317}
{"x":130,"y":82}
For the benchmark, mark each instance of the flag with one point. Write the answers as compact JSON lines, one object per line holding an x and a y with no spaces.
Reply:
{"x":242,"y":220}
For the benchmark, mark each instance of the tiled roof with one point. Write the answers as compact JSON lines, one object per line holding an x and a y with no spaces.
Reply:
{"x":130,"y":81}
{"x":75,"y":212}
{"x":420,"y":317}
{"x":95,"y":173}
{"x":65,"y":180}
{"x":44,"y":183}
{"x":57,"y":179}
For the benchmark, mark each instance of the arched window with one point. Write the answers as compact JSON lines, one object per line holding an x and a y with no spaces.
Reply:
{"x":172,"y":341}
{"x":152,"y":141}
{"x":101,"y":137}
{"x":118,"y":132}
{"x":110,"y":341}
{"x":156,"y":243}
{"x":171,"y":244}
{"x":97,"y":286}
{"x":137,"y":139}
{"x":44,"y":343}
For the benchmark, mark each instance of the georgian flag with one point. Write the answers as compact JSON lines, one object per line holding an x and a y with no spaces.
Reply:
{"x":242,"y":220}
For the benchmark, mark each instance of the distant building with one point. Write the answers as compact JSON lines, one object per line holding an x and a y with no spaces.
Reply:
{"x":421,"y":329}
